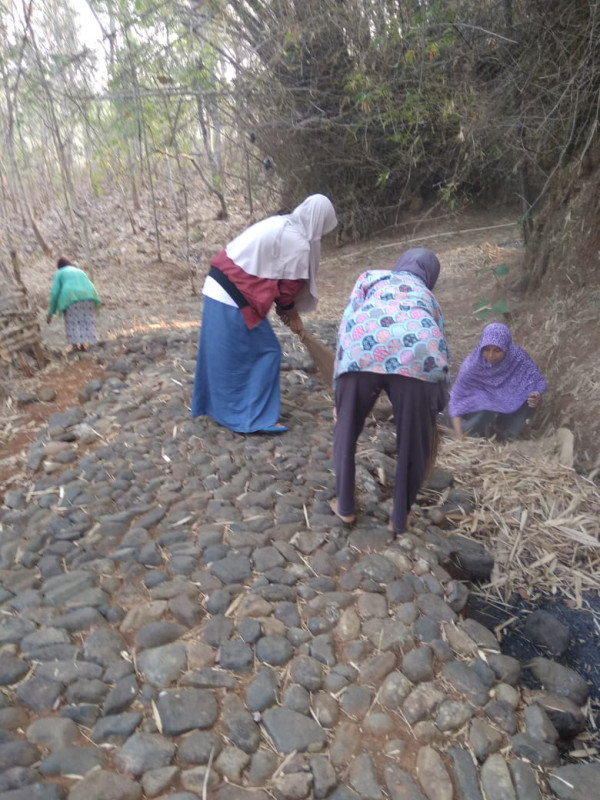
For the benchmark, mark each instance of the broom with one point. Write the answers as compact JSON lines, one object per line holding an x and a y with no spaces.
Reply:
{"x":322,"y":355}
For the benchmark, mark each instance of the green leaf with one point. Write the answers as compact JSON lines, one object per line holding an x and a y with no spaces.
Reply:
{"x":500,"y":270}
{"x":500,"y":307}
{"x":483,"y":314}
{"x":481,"y":304}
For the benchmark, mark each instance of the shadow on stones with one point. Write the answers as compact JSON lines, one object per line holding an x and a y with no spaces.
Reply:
{"x":583,"y":624}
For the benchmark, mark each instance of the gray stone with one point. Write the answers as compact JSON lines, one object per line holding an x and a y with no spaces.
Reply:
{"x":347,"y":739}
{"x":524,"y":781}
{"x":186,"y":611}
{"x":144,"y":751}
{"x":546,"y":630}
{"x":39,"y":694}
{"x":363,"y":778}
{"x":13,"y":629}
{"x":356,"y":701}
{"x":567,"y":718}
{"x":453,"y":714}
{"x":559,"y":679}
{"x":400,"y":785}
{"x":421,"y":702}
{"x":538,"y":724}
{"x":235,"y":568}
{"x":34,"y":791}
{"x":483,"y":739}
{"x":86,"y":690}
{"x":116,"y":728}
{"x":432,"y":775}
{"x":465,"y":680}
{"x":61,"y":588}
{"x":504,"y":716}
{"x":308,"y":672}
{"x":483,"y":637}
{"x":375,"y":668}
{"x":12,"y":669}
{"x":291,"y":731}
{"x":84,"y":714}
{"x":470,"y":557}
{"x":16,"y":778}
{"x":262,"y":766}
{"x":237,"y":793}
{"x":18,"y":754}
{"x":575,"y":781}
{"x":324,"y":777}
{"x":323,"y":650}
{"x":103,"y":785}
{"x":184,"y":710}
{"x":417,"y":665}
{"x":121,"y":696}
{"x":231,"y":762}
{"x":292,"y":785}
{"x":394,"y":690}
{"x":297,"y":698}
{"x":274,"y":650}
{"x":155,"y":781}
{"x":196,"y":747}
{"x":72,"y":760}
{"x":243,"y":730}
{"x":496,"y":780}
{"x":53,"y":733}
{"x":535,"y":750}
{"x":66,"y":672}
{"x":465,"y":774}
{"x":209,"y":678}
{"x":236,"y":655}
{"x":325,"y":709}
{"x":262,"y":690}
{"x":162,"y":666}
{"x":434,"y":607}
{"x":104,"y":645}
{"x":378,"y":723}
{"x":249,"y":630}
{"x":156,"y":634}
{"x":506,"y":668}
{"x":377,"y":567}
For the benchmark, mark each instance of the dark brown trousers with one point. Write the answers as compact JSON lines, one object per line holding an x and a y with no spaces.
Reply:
{"x":415,"y":404}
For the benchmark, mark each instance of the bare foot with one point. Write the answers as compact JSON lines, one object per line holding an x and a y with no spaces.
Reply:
{"x":350,"y":519}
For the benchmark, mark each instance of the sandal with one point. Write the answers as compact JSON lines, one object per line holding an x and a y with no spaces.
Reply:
{"x":274,"y":429}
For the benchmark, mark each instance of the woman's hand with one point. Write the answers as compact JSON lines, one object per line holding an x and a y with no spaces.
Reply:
{"x":295,"y":322}
{"x":533,"y":399}
{"x":292,"y":319}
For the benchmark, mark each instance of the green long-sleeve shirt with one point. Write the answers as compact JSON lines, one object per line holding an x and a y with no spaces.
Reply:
{"x":69,"y":285}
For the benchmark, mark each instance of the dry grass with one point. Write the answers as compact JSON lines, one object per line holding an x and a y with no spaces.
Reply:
{"x":538,"y":519}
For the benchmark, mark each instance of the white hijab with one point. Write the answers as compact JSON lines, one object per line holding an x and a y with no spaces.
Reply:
{"x":287,"y":246}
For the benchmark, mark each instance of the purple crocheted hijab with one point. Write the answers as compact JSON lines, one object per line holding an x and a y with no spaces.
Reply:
{"x":421,"y":262}
{"x":501,"y":387}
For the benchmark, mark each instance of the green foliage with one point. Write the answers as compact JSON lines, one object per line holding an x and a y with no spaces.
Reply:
{"x":500,"y":270}
{"x":484,"y":308}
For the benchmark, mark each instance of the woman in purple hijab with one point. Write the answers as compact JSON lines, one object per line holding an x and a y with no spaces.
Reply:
{"x":391,"y":339}
{"x":497,"y":387}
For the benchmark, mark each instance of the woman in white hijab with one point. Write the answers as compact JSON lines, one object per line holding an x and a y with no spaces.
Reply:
{"x":273,"y":261}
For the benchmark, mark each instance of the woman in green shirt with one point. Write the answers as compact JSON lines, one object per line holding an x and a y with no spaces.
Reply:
{"x":75,"y":296}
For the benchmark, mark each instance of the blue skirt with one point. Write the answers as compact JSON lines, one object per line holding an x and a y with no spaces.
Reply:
{"x":237,"y":370}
